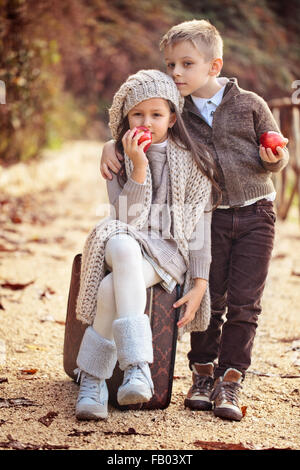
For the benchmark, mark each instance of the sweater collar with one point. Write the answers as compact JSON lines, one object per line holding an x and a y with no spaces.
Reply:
{"x":231,"y":89}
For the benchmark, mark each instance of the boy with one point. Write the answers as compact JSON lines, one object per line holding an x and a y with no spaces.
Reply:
{"x":229,"y":121}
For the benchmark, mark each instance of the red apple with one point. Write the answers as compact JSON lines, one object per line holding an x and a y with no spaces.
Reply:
{"x":272,"y":140}
{"x":146,"y":136}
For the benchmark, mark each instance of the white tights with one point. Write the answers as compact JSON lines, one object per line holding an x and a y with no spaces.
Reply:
{"x":122,"y":293}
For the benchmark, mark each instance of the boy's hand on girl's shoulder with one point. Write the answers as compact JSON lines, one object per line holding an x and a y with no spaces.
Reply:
{"x":110,"y":160}
{"x":267,"y":155}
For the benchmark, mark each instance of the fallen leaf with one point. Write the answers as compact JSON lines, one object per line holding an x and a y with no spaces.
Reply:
{"x":282,"y":376}
{"x":215,"y":445}
{"x":289,"y":340}
{"x":77,"y":433}
{"x":279,"y":256}
{"x":27,"y":374}
{"x":46,"y":293}
{"x":48,"y":418}
{"x":37,"y":239}
{"x":261,"y":374}
{"x":53,"y":447}
{"x":272,"y":448}
{"x":15,"y":286}
{"x":58,"y":257}
{"x":36,"y":347}
{"x":50,"y":318}
{"x":20,"y":349}
{"x":12,"y":443}
{"x":17,"y":445}
{"x":129,"y":432}
{"x":295,"y":273}
{"x":15,"y":218}
{"x":28,"y":371}
{"x":289,"y":376}
{"x":20,"y":401}
{"x":5,"y":249}
{"x":3,"y":379}
{"x":4,"y":201}
{"x":244,"y":410}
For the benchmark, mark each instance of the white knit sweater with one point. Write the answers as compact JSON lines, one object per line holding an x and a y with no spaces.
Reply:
{"x":191,"y":191}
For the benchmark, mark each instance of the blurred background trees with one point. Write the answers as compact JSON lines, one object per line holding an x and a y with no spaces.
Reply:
{"x":62,"y":61}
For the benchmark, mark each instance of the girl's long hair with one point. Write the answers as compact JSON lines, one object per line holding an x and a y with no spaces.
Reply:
{"x":179,"y":134}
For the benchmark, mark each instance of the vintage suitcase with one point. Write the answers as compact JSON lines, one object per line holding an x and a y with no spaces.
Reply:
{"x":163,"y":320}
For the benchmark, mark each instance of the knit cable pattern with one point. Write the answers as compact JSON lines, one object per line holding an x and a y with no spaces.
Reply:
{"x":190,"y":191}
{"x":142,"y":86}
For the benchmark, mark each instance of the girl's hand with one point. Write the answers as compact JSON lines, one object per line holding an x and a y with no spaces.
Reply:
{"x":110,"y":160}
{"x":267,"y":155}
{"x":135,"y":151}
{"x":192,"y":299}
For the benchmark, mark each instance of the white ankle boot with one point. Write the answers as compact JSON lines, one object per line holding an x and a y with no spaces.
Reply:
{"x":133,"y":339}
{"x":96,"y":361}
{"x":137,"y":386}
{"x":92,"y":398}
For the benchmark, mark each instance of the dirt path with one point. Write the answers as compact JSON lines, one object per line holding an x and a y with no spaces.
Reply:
{"x":46,"y":229}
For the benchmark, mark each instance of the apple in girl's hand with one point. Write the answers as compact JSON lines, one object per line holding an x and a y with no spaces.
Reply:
{"x":146,"y":136}
{"x":272,"y":140}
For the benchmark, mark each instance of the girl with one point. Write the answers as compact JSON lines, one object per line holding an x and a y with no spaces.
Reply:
{"x":160,"y":204}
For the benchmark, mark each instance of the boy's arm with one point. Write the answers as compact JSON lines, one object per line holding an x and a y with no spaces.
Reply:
{"x":264,"y":121}
{"x":110,"y":160}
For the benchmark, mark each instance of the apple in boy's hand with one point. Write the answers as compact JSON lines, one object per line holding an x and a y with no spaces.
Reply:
{"x":146,"y":136}
{"x":272,"y":140}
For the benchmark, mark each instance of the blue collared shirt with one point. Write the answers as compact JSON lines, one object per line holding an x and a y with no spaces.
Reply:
{"x":207,"y":106}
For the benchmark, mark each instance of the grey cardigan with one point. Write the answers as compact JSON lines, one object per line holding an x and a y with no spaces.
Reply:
{"x":233,"y":141}
{"x":163,"y":249}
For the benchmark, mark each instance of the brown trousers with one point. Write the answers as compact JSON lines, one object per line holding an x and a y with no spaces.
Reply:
{"x":242,"y":243}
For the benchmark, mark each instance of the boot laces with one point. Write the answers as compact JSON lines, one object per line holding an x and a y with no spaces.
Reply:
{"x":90,"y":387}
{"x":137,"y":372}
{"x":228,"y":390}
{"x":202,"y":384}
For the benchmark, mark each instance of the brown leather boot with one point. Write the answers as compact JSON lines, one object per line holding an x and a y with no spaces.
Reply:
{"x":198,"y":396}
{"x":225,"y":395}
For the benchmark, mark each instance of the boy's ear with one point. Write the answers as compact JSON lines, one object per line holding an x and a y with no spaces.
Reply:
{"x":216,"y":66}
{"x":172,"y":120}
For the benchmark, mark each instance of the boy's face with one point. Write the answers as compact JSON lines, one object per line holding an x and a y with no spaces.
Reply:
{"x":188,"y":67}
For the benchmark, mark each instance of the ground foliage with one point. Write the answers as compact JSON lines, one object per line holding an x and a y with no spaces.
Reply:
{"x":42,"y":228}
{"x":61,"y":62}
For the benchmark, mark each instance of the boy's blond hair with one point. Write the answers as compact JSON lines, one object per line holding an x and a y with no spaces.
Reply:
{"x":201,"y":33}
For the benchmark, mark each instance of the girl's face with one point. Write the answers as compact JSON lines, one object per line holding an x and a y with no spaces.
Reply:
{"x":154,"y":114}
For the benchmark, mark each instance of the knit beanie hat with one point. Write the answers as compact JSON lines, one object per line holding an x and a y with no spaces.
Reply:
{"x":142,"y":86}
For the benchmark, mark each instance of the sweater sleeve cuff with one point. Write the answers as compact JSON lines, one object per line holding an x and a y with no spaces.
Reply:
{"x":135,"y":183}
{"x":199,"y":268}
{"x":134,"y":191}
{"x":276,"y":166}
